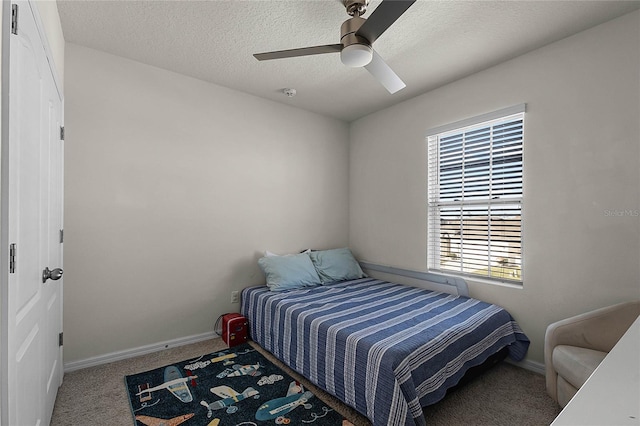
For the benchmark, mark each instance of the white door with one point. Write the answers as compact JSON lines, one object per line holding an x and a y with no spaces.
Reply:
{"x":32,"y":362}
{"x":51,"y":249}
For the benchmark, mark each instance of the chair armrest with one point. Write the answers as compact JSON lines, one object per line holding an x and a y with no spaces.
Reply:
{"x":599,"y":330}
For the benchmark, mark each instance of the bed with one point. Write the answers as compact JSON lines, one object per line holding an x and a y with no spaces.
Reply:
{"x":383,"y":348}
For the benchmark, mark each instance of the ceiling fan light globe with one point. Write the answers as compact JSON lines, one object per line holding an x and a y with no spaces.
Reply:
{"x":356,"y":55}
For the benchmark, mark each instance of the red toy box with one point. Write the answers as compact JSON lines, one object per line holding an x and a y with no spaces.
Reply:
{"x":235,"y":329}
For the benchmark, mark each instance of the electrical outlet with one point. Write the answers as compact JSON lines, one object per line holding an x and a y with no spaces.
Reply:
{"x":235,"y":297}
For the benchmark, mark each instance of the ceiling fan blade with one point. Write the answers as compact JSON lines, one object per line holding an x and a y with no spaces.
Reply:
{"x":382,"y":18}
{"x":304,"y":51}
{"x":384,"y":74}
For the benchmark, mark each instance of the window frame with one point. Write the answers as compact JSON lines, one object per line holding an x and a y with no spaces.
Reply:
{"x":435,"y":204}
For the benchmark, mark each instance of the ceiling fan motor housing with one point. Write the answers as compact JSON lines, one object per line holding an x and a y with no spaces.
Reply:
{"x":348,"y":32}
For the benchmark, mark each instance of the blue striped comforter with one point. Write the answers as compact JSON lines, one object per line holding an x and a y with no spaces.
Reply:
{"x":385,"y":349}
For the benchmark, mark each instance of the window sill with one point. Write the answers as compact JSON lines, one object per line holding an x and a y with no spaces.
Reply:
{"x":496,"y":283}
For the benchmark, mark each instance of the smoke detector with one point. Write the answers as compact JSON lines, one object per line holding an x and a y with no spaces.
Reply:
{"x":289,"y":92}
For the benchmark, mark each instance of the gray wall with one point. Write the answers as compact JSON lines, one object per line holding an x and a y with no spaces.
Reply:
{"x":174,"y":187}
{"x":582,"y":159}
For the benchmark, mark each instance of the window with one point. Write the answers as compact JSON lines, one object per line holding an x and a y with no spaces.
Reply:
{"x":475,"y":197}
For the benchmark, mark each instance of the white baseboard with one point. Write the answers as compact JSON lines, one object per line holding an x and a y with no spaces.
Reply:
{"x":134,"y":352}
{"x":534,"y":366}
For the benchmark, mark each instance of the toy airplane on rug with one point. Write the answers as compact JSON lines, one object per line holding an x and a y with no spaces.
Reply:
{"x":175,"y":383}
{"x":238,"y":370}
{"x":229,"y":398}
{"x":155,"y":421}
{"x":278,"y":407}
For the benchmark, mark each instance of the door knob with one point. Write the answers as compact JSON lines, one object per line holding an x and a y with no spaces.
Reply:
{"x":54,"y":275}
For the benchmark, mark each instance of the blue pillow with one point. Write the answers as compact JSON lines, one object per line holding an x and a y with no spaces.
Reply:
{"x":336,"y":265}
{"x":288,"y":272}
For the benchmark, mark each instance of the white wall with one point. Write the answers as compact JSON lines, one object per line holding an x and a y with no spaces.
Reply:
{"x":173,"y":189}
{"x":582,"y":157}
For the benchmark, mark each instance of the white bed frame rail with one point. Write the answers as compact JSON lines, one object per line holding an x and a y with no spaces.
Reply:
{"x":428,"y":280}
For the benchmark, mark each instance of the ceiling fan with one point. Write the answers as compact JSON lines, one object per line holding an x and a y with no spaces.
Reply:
{"x":357,"y":35}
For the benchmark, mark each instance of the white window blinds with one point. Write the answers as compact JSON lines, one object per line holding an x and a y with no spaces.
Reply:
{"x":475,"y":199}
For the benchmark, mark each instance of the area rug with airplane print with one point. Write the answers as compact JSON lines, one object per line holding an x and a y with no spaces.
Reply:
{"x":233,"y":387}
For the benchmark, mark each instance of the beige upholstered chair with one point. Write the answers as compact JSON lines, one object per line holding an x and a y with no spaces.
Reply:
{"x":574,"y":347}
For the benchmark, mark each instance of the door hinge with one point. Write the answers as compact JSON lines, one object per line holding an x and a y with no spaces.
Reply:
{"x":14,"y":19}
{"x":61,"y":133}
{"x":61,"y":236}
{"x":60,"y":339}
{"x":12,"y":258}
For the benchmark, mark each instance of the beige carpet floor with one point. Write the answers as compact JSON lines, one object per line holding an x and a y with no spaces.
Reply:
{"x":505,"y":395}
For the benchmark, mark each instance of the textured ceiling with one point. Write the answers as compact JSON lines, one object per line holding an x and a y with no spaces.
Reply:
{"x":432,"y":44}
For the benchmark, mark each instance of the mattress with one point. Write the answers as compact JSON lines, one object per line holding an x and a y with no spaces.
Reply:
{"x":385,"y":349}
